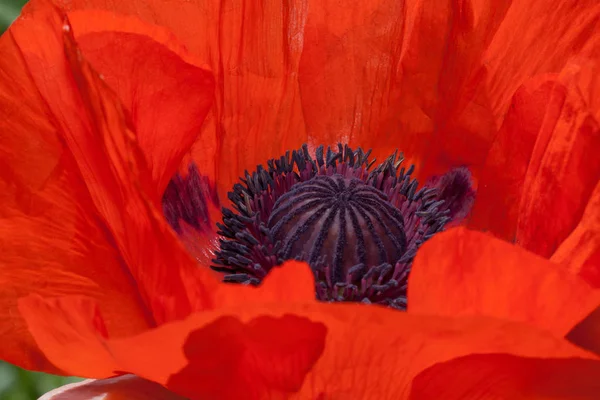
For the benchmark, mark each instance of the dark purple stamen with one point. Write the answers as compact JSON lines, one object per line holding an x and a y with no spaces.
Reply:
{"x":358,"y":228}
{"x":456,"y":189}
{"x":186,"y":201}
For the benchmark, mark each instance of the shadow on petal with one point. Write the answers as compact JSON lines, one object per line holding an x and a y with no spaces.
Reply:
{"x":586,"y":334}
{"x":504,"y":376}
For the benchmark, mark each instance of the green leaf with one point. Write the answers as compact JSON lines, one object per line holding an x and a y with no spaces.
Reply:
{"x":9,"y":10}
{"x":19,"y":384}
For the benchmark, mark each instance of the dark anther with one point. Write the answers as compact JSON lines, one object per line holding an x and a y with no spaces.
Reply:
{"x":187,"y":199}
{"x":358,"y":227}
{"x":455,"y":188}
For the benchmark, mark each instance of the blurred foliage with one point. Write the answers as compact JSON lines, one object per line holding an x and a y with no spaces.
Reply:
{"x":9,"y":9}
{"x":16,"y":383}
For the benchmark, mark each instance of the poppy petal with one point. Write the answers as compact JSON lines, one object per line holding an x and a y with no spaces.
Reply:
{"x":437,"y":77}
{"x":165,"y":91}
{"x":506,"y":165}
{"x":255,"y":347}
{"x":209,"y":292}
{"x":562,"y":173}
{"x":387,"y":75}
{"x":580,"y":252}
{"x":275,"y":288}
{"x":273,"y":355}
{"x":537,"y":38}
{"x":72,"y":332}
{"x":49,"y":229}
{"x":126,"y":387}
{"x":356,"y":340}
{"x":502,"y":376}
{"x":461,"y":272}
{"x":586,"y":334}
{"x":542,"y":146}
{"x":373,"y":74}
{"x":114,"y":171}
{"x":257,"y":114}
{"x":50,"y":236}
{"x":374,"y":353}
{"x":79,"y":327}
{"x":359,"y":343}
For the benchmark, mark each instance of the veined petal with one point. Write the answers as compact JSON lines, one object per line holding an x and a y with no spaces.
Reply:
{"x":502,"y":376}
{"x":370,"y":73}
{"x":114,"y":171}
{"x":580,"y":252}
{"x":461,"y":272}
{"x":257,"y":112}
{"x":164,"y":89}
{"x":387,"y":74}
{"x":223,"y":341}
{"x":374,"y":353}
{"x":52,"y":241}
{"x":506,"y":165}
{"x":562,"y":173}
{"x":80,"y":329}
{"x":352,"y":348}
{"x":126,"y":387}
{"x":434,"y":78}
{"x":53,"y":246}
{"x":535,"y":38}
{"x":539,"y":174}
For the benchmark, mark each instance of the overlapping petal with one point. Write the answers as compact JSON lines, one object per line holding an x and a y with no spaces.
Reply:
{"x":561,"y":174}
{"x":253,"y":48}
{"x":94,"y":128}
{"x":388,"y":75}
{"x":79,"y":221}
{"x":580,"y":252}
{"x":359,"y":350}
{"x":52,"y":242}
{"x":257,"y":97}
{"x":162,"y":87}
{"x":555,"y":31}
{"x":423,"y":75}
{"x":436,"y":78}
{"x":461,"y":272}
{"x":242,"y":340}
{"x":504,"y":171}
{"x":541,"y":164}
{"x":378,"y":353}
{"x":500,"y":376}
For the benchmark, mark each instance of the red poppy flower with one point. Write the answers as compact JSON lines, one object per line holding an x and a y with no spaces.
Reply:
{"x":103,"y":105}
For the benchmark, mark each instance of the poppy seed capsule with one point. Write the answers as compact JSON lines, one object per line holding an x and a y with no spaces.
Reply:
{"x":337,"y":221}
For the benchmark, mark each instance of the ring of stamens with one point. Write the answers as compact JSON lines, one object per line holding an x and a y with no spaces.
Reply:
{"x":358,"y":227}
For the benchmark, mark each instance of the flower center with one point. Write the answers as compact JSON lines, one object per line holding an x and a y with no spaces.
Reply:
{"x":337,"y":222}
{"x":358,"y":227}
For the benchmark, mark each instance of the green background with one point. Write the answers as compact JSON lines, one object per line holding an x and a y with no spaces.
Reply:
{"x":9,"y":9}
{"x":16,"y":383}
